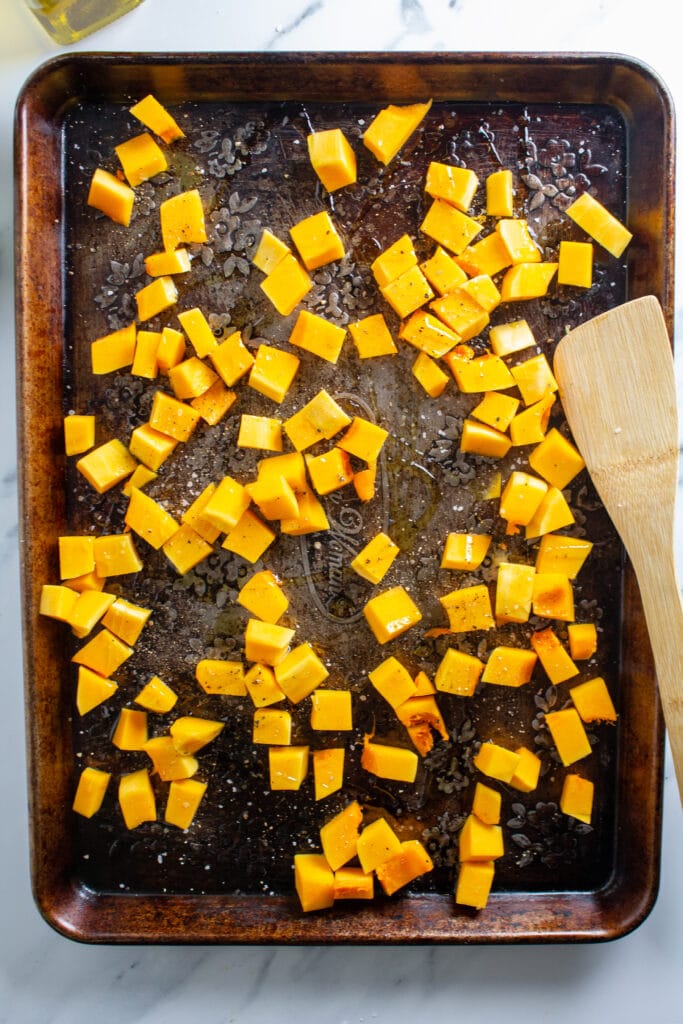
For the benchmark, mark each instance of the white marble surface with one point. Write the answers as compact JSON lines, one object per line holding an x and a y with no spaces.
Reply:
{"x":45,"y":978}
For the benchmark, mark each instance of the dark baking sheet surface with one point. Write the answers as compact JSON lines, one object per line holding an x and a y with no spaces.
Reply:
{"x":563,"y":124}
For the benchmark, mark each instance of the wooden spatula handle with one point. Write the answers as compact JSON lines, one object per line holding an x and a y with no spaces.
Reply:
{"x":661,"y":597}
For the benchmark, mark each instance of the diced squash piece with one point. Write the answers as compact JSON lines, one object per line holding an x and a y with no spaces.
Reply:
{"x":483,"y":290}
{"x":76,"y":555}
{"x":473,"y":886}
{"x":583,"y":640}
{"x":156,"y":696}
{"x":375,"y":559}
{"x":576,"y":798}
{"x":393,"y":681}
{"x":90,"y":791}
{"x":569,"y":735}
{"x":288,"y":767}
{"x":442,"y":271}
{"x":330,"y":470}
{"x":156,"y":297}
{"x":191,"y":378}
{"x":575,"y":264}
{"x":479,"y":374}
{"x":331,"y":710}
{"x":527,"y":772}
{"x":530,"y":425}
{"x":79,"y":434}
{"x":140,"y":477}
{"x":145,"y":359}
{"x":458,"y":673}
{"x":372,"y":337}
{"x":593,"y":702}
{"x":317,"y":240}
{"x":165,"y":264}
{"x":556,"y":459}
{"x":190,"y":733}
{"x":429,"y":375}
{"x":339,"y":835}
{"x":509,"y":666}
{"x":213,"y":404}
{"x":274,"y":498}
{"x":167,"y":761}
{"x":182,"y":220}
{"x":461,"y":312}
{"x":315,"y":334}
{"x":449,"y":227}
{"x":391,"y":128}
{"x":126,"y":620}
{"x":87,"y":581}
{"x":364,"y":482}
{"x":249,"y":538}
{"x":57,"y":601}
{"x":136,"y":798}
{"x":299,"y":672}
{"x":407,"y":292}
{"x":232,"y":360}
{"x":141,"y":158}
{"x":517,"y":239}
{"x":391,"y":613}
{"x":553,"y":596}
{"x":352,"y":883}
{"x":486,"y":804}
{"x":496,"y":761}
{"x":198,"y":330}
{"x":320,"y":419}
{"x":486,"y":256}
{"x":151,"y":446}
{"x":111,"y":197}
{"x":172,"y":417}
{"x":286,"y":284}
{"x":116,"y":555}
{"x":521,"y":497}
{"x":389,"y":762}
{"x":468,"y":608}
{"x":107,"y":465}
{"x":226,"y":504}
{"x":534,"y":378}
{"x":313,"y":881}
{"x":328,"y":771}
{"x":104,"y":654}
{"x":557,"y":663}
{"x":87,"y":611}
{"x":263,"y":432}
{"x":364,"y":439}
{"x":457,"y":185}
{"x":499,"y":193}
{"x":465,"y":551}
{"x":92,"y":689}
{"x":171,"y":349}
{"x":496,"y":410}
{"x":272,"y":727}
{"x":131,"y":730}
{"x":194,"y":516}
{"x":266,"y":642}
{"x":597,"y":221}
{"x":376,"y":844}
{"x":480,"y":439}
{"x":311,"y":518}
{"x":216,"y":676}
{"x":184,"y":798}
{"x":185,"y":549}
{"x":511,"y":337}
{"x":262,"y":595}
{"x":514,"y":592}
{"x":479,"y":841}
{"x":404,"y":867}
{"x":395,"y":260}
{"x":552,"y":514}
{"x":273,"y":372}
{"x":113,"y":351}
{"x":157,"y":118}
{"x":527,"y":281}
{"x":269,"y":252}
{"x":428,"y":334}
{"x":332,"y":158}
{"x":557,"y":553}
{"x":421,"y":717}
{"x":149,"y":520}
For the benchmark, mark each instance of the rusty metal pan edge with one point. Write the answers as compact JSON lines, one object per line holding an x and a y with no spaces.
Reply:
{"x":88,"y":917}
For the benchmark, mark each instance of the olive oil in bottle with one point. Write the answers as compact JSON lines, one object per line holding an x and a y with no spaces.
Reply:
{"x":67,"y":21}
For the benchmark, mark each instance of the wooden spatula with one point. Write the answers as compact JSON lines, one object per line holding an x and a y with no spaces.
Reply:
{"x":617,"y":386}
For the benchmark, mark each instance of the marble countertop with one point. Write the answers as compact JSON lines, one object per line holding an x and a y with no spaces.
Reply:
{"x":47,"y":979}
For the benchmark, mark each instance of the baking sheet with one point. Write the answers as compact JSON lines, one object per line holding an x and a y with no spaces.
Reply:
{"x":229,"y":877}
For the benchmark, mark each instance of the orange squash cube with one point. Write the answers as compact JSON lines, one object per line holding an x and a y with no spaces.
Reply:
{"x":521,"y":497}
{"x":486,"y":804}
{"x":442,"y":271}
{"x":597,"y":221}
{"x":317,"y":335}
{"x":496,"y":761}
{"x":250,"y":538}
{"x":111,"y":197}
{"x":552,"y":514}
{"x":391,"y":128}
{"x":375,"y":559}
{"x":107,"y":465}
{"x":131,"y":730}
{"x":468,"y":608}
{"x":90,"y":791}
{"x":456,"y":185}
{"x":473,"y":887}
{"x":428,"y":334}
{"x":458,"y":673}
{"x":391,"y":613}
{"x":184,"y":798}
{"x":576,"y":799}
{"x":465,"y":551}
{"x":372,"y":337}
{"x":317,"y":240}
{"x":449,"y":227}
{"x":462,"y":313}
{"x":299,"y":672}
{"x":394,"y":261}
{"x":269,"y":252}
{"x":575,"y":264}
{"x":527,"y":772}
{"x":273,"y":372}
{"x":165,"y":264}
{"x":272,"y":727}
{"x":136,"y":798}
{"x":553,"y":596}
{"x":404,"y":867}
{"x":499,"y":193}
{"x":429,"y":375}
{"x":569,"y":735}
{"x":92,"y":689}
{"x":407,"y":292}
{"x":389,"y":762}
{"x":313,"y":881}
{"x":157,"y":118}
{"x":557,"y":663}
{"x":116,"y":555}
{"x":332,"y":158}
{"x":141,"y":158}
{"x":514,"y":592}
{"x":393,"y":681}
{"x":527,"y":281}
{"x":339,"y":835}
{"x":376,"y":844}
{"x":191,"y":378}
{"x":516,"y":238}
{"x":330,"y":470}
{"x":328,"y":771}
{"x":331,"y":710}
{"x":496,"y":410}
{"x":511,"y":337}
{"x":288,"y":767}
{"x":185,"y":549}
{"x":477,"y":374}
{"x":480,"y":439}
{"x":151,"y":447}
{"x":363,"y":439}
{"x":583,"y":640}
{"x":182,"y":220}
{"x":479,"y":841}
{"x":286,"y":284}
{"x":172,"y":417}
{"x":593,"y":702}
{"x":509,"y":666}
{"x":149,"y":520}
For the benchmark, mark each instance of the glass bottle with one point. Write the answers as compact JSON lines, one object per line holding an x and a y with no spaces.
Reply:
{"x":67,"y":21}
